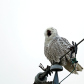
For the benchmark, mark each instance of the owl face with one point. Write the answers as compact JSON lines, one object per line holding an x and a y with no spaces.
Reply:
{"x":50,"y":32}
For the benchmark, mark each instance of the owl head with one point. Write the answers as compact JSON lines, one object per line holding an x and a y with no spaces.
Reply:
{"x":50,"y":33}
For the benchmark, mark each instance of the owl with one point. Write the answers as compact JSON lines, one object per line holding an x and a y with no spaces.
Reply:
{"x":55,"y":47}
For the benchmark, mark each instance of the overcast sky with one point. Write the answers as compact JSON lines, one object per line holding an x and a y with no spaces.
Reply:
{"x":22,"y":26}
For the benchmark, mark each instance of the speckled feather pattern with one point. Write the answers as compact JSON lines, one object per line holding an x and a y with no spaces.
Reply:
{"x":57,"y":48}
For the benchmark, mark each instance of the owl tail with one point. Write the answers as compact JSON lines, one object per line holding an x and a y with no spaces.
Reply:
{"x":79,"y":67}
{"x":71,"y":67}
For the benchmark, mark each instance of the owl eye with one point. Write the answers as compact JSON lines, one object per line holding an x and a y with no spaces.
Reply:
{"x":48,"y":32}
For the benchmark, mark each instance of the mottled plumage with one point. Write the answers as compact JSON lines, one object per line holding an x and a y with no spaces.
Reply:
{"x":55,"y":47}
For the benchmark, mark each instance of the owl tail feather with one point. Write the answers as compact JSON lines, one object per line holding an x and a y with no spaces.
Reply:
{"x":79,"y":67}
{"x":70,"y":68}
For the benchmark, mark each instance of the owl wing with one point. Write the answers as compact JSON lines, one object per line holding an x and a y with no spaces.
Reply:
{"x":57,"y":48}
{"x":66,"y":45}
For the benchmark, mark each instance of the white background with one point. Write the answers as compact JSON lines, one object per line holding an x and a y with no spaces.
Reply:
{"x":22,"y":26}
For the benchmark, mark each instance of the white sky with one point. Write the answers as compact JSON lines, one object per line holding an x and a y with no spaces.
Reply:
{"x":22,"y":26}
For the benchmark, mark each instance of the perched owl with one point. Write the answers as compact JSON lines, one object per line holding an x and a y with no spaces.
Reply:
{"x":55,"y":47}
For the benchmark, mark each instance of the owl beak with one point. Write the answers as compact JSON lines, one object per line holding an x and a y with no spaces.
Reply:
{"x":48,"y":33}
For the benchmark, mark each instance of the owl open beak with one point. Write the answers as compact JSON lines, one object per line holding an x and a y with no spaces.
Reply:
{"x":48,"y":32}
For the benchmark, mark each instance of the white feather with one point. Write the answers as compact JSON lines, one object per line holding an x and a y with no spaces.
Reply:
{"x":55,"y":47}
